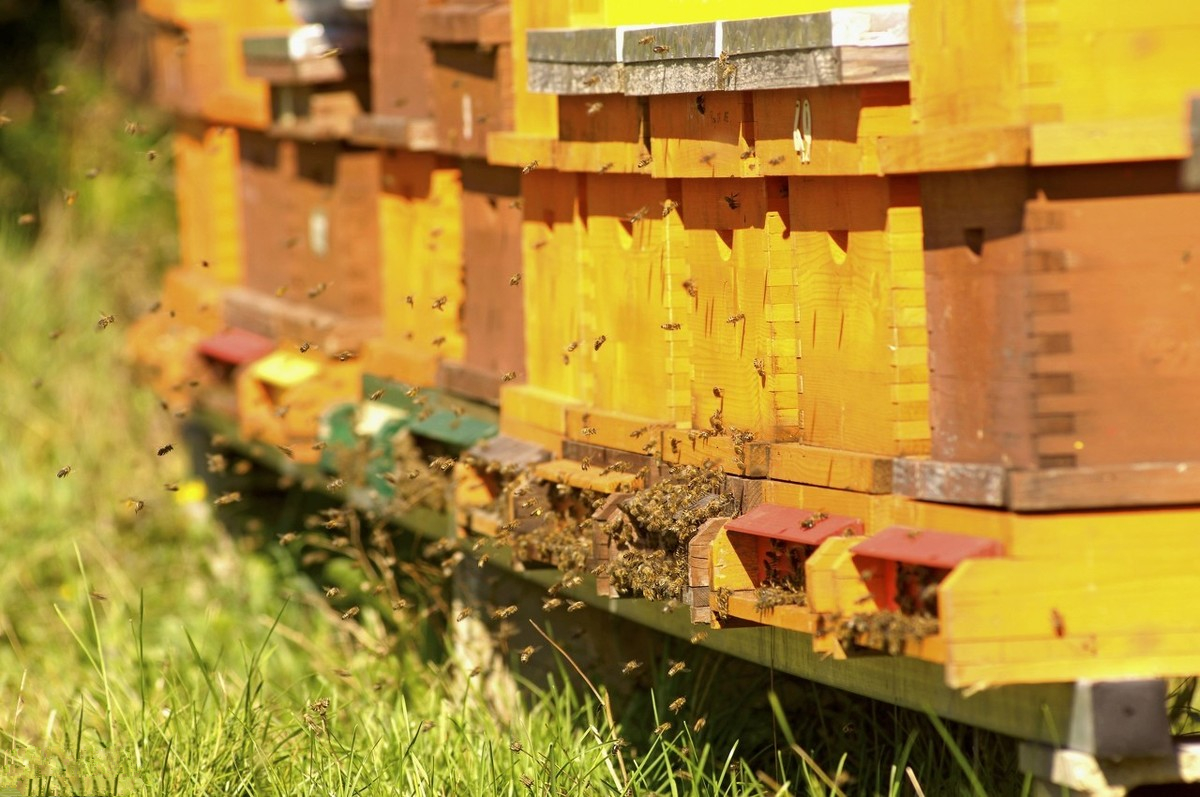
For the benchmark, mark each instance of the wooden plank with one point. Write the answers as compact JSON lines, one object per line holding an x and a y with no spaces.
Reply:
{"x":700,"y":569}
{"x":466,"y":23}
{"x":702,"y":135}
{"x":954,"y":149}
{"x":536,"y":406}
{"x":601,"y":134}
{"x":616,"y":431}
{"x":743,"y":605}
{"x":401,"y":62}
{"x":688,"y":447}
{"x":827,"y":467}
{"x":473,"y":96}
{"x":949,"y":482}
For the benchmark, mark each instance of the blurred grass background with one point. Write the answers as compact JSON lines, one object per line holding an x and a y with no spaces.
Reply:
{"x":151,"y":652}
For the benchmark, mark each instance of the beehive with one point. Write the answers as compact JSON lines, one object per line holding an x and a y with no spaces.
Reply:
{"x":210,"y":212}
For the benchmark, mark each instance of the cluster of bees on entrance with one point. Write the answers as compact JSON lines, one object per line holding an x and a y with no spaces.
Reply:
{"x":890,"y":631}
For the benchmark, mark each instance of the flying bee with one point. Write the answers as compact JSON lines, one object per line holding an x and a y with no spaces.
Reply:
{"x":573,"y":345}
{"x":399,"y":605}
{"x":732,"y":201}
{"x":591,"y":80}
{"x":502,"y":613}
{"x":171,"y":487}
{"x":527,"y":168}
{"x":644,"y":162}
{"x":442,"y":463}
{"x":288,"y":538}
{"x":552,"y":604}
{"x":508,"y":376}
{"x":676,"y":668}
{"x":527,"y":653}
{"x":305,"y":346}
{"x":677,"y":704}
{"x":167,"y":449}
{"x":698,"y":637}
{"x":646,"y":40}
{"x":317,"y":290}
{"x":483,"y":560}
{"x":335,"y":485}
{"x":439,"y":340}
{"x":599,"y":342}
{"x":376,"y":396}
{"x":747,"y":155}
{"x":699,"y":724}
{"x":736,"y":317}
{"x":133,"y":128}
{"x":105,"y":321}
{"x":463,"y":615}
{"x":350,"y":613}
{"x":515,"y":279}
{"x":760,"y":368}
{"x":594,"y":108}
{"x":216,"y":463}
{"x":707,"y":158}
{"x":689,"y":286}
{"x":631,"y":666}
{"x":64,"y":471}
{"x":228,"y":498}
{"x":409,"y":300}
{"x":575,"y":606}
{"x":319,"y":445}
{"x":151,"y":155}
{"x":588,"y":431}
{"x":663,"y":728}
{"x":605,"y":167}
{"x":778,"y":159}
{"x":440,"y":303}
{"x":345,"y":355}
{"x":638,"y":215}
{"x":671,"y":327}
{"x":1058,"y":623}
{"x":287,"y":451}
{"x":662,"y":48}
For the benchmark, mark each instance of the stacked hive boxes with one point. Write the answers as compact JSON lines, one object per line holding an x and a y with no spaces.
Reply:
{"x":917,"y":314}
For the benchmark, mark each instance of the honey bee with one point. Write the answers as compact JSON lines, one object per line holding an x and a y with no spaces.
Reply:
{"x":376,"y":395}
{"x":588,"y":431}
{"x":440,"y":303}
{"x":399,"y":605}
{"x":335,"y":485}
{"x":58,"y":90}
{"x":350,"y":613}
{"x":677,"y":704}
{"x":70,"y":196}
{"x":573,"y":345}
{"x":1058,"y":623}
{"x":585,"y":463}
{"x":228,"y":498}
{"x":508,"y":376}
{"x":604,"y":168}
{"x":439,"y":340}
{"x":736,"y":317}
{"x":305,"y":346}
{"x":760,"y":368}
{"x":662,"y":48}
{"x":638,"y":215}
{"x":317,"y":290}
{"x":644,"y":162}
{"x":631,"y":666}
{"x":515,"y":279}
{"x":133,"y":128}
{"x":502,"y":613}
{"x":671,"y":327}
{"x":64,"y":471}
{"x":594,"y":108}
{"x":100,"y":596}
{"x":646,"y":40}
{"x":287,"y":451}
{"x":167,"y":449}
{"x":707,"y":158}
{"x":732,"y":201}
{"x":591,"y":80}
{"x":698,"y":637}
{"x":215,"y":463}
{"x":575,"y":606}
{"x":699,"y":724}
{"x":105,"y":321}
{"x":676,"y":668}
{"x":288,"y":538}
{"x":747,"y":155}
{"x":527,"y":168}
{"x":463,"y":615}
{"x":319,"y":445}
{"x":599,"y":342}
{"x":726,"y":67}
{"x":483,"y":560}
{"x":151,"y":155}
{"x":409,"y":300}
{"x":527,"y":653}
{"x":778,"y":159}
{"x":345,"y":355}
{"x":552,"y":604}
{"x":442,"y":463}
{"x":663,"y":728}
{"x":171,"y":487}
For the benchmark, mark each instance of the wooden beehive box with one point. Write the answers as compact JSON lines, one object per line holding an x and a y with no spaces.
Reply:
{"x":420,"y":217}
{"x":207,"y":162}
{"x":472,"y":73}
{"x":484,"y":479}
{"x":881,"y":592}
{"x":318,"y":77}
{"x":401,"y":80}
{"x":281,"y":398}
{"x":221,"y":356}
{"x":311,"y":221}
{"x":757,"y":563}
{"x":1054,"y":83}
{"x":493,"y":308}
{"x":1062,"y":338}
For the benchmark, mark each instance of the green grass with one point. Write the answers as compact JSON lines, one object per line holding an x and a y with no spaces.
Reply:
{"x":152,"y":652}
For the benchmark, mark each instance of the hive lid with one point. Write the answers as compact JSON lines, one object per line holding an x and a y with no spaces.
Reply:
{"x":795,"y":525}
{"x":922,"y":547}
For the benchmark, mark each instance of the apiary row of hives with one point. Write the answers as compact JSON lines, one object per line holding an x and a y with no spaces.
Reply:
{"x":876,"y":323}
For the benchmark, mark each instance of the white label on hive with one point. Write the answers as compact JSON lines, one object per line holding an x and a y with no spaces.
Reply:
{"x":318,"y":232}
{"x":468,"y":127}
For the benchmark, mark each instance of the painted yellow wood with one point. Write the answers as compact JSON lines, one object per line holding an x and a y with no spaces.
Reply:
{"x":601,"y":134}
{"x":193,"y":297}
{"x":536,"y":406}
{"x":743,"y":605}
{"x":523,"y":430}
{"x":634,"y":269}
{"x":163,"y":351}
{"x":847,"y":124}
{"x":859,"y":282}
{"x":703,"y":135}
{"x":420,"y":225}
{"x":570,"y":472}
{"x":209,"y":210}
{"x":615,"y":430}
{"x":535,"y":114}
{"x":875,"y":511}
{"x":555,"y":289}
{"x":630,"y":12}
{"x":519,"y":149}
{"x":289,"y":414}
{"x":732,"y":561}
{"x":1163,"y":138}
{"x":954,"y":148}
{"x":689,"y":447}
{"x":829,"y":467}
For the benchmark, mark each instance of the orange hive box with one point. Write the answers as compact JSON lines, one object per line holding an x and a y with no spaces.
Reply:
{"x":207,"y":162}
